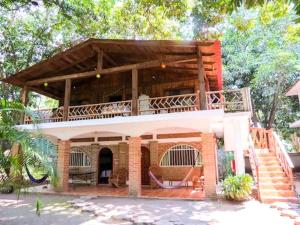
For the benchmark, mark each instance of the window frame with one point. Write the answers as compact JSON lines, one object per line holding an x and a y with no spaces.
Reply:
{"x":181,"y":148}
{"x":86,"y":160}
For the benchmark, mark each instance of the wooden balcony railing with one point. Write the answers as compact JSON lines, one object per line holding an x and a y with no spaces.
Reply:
{"x":45,"y":116}
{"x":99,"y":111}
{"x":229,"y":100}
{"x":169,"y":104}
{"x":237,"y":100}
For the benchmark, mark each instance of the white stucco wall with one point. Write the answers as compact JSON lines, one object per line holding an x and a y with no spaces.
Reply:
{"x":236,"y":133}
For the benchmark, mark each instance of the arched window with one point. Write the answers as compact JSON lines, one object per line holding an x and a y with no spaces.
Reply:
{"x":180,"y":156}
{"x":79,"y":159}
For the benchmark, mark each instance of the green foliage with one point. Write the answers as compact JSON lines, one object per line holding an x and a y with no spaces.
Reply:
{"x":264,"y":56}
{"x":38,"y":206}
{"x":237,"y":187}
{"x":36,"y":150}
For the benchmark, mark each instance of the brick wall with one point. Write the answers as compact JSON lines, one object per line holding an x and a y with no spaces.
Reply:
{"x":135,"y":166}
{"x":93,"y":151}
{"x":180,"y":172}
{"x":63,"y":165}
{"x":121,"y":160}
{"x":209,"y":161}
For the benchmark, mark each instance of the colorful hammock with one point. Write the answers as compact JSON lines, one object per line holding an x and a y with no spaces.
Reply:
{"x":171,"y":187}
{"x":37,"y":181}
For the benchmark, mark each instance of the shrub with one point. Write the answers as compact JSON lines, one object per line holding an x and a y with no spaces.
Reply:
{"x":237,"y":187}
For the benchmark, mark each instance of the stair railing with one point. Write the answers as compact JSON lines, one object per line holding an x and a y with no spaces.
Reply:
{"x":286,"y":163}
{"x":254,"y":163}
{"x":259,"y":137}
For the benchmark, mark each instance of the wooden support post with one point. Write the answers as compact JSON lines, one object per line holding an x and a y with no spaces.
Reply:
{"x":99,"y":60}
{"x":67,"y":98}
{"x":201,"y":78}
{"x":134,"y":92}
{"x":24,"y":95}
{"x":24,"y":101}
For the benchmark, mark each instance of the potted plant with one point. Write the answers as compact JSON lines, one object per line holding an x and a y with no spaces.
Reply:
{"x":238,"y":187}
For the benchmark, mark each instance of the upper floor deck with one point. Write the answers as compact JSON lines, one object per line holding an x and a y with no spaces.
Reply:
{"x":237,"y":100}
{"x":108,"y":78}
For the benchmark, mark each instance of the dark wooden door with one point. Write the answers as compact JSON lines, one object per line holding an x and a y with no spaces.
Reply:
{"x":145,"y":164}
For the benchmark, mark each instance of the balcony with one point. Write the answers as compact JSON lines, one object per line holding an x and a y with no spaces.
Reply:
{"x":237,"y":100}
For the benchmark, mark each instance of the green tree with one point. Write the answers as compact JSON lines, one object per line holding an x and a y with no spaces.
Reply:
{"x":36,"y":150}
{"x":262,"y":51}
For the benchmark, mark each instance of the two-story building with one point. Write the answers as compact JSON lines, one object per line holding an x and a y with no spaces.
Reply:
{"x":127,"y":105}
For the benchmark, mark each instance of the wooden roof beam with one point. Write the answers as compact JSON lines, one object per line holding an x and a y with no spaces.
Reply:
{"x":143,"y":65}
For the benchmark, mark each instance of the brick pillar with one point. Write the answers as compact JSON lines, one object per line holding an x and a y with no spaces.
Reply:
{"x":134,"y":166}
{"x":153,"y":153}
{"x":209,"y":163}
{"x":63,"y":165}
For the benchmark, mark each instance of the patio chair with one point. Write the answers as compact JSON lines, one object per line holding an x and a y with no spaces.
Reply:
{"x":157,"y":172}
{"x":119,"y":178}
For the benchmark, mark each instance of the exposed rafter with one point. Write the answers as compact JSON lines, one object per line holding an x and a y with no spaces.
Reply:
{"x":144,"y":65}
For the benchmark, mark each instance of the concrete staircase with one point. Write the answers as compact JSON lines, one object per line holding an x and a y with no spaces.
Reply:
{"x":271,"y":167}
{"x":273,"y":183}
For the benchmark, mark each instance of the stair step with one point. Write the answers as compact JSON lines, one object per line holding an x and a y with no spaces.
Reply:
{"x":271,"y":173}
{"x":275,"y":186}
{"x":264,"y":168}
{"x":269,"y":163}
{"x":276,"y":193}
{"x":266,"y":157}
{"x":275,"y":179}
{"x":270,"y":200}
{"x":265,"y":154}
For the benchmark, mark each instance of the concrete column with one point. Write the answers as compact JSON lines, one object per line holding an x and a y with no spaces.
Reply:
{"x":236,"y":134}
{"x":154,"y":153}
{"x":135,"y":167}
{"x":210,"y":164}
{"x":63,"y":165}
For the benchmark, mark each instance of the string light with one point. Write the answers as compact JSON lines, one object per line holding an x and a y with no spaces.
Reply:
{"x":45,"y":84}
{"x":98,"y":75}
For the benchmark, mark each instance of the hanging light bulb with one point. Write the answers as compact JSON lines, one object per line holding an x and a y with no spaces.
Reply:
{"x":45,"y":84}
{"x":162,"y":65}
{"x":98,"y":75}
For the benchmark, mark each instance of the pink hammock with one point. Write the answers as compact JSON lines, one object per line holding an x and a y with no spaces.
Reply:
{"x":171,"y":187}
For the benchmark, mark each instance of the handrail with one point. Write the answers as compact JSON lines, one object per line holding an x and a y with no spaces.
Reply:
{"x":283,"y":150}
{"x":283,"y":157}
{"x":254,"y":163}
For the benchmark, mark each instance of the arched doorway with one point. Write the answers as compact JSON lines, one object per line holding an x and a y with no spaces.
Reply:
{"x":105,"y":165}
{"x":145,"y":164}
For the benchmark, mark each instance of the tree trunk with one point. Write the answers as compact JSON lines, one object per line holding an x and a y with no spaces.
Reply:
{"x":254,"y":117}
{"x":274,"y":105}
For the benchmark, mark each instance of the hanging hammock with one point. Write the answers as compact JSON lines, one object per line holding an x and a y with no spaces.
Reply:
{"x":177,"y":185}
{"x":171,"y":187}
{"x":37,"y":181}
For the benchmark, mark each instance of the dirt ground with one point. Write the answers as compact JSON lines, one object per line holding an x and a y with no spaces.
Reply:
{"x":56,"y":210}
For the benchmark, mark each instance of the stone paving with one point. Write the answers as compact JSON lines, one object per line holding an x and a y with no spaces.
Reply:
{"x":89,"y":210}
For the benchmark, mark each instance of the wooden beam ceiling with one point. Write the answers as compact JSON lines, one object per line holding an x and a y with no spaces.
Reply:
{"x":143,"y":65}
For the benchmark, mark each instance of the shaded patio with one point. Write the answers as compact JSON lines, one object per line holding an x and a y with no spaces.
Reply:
{"x":108,"y":191}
